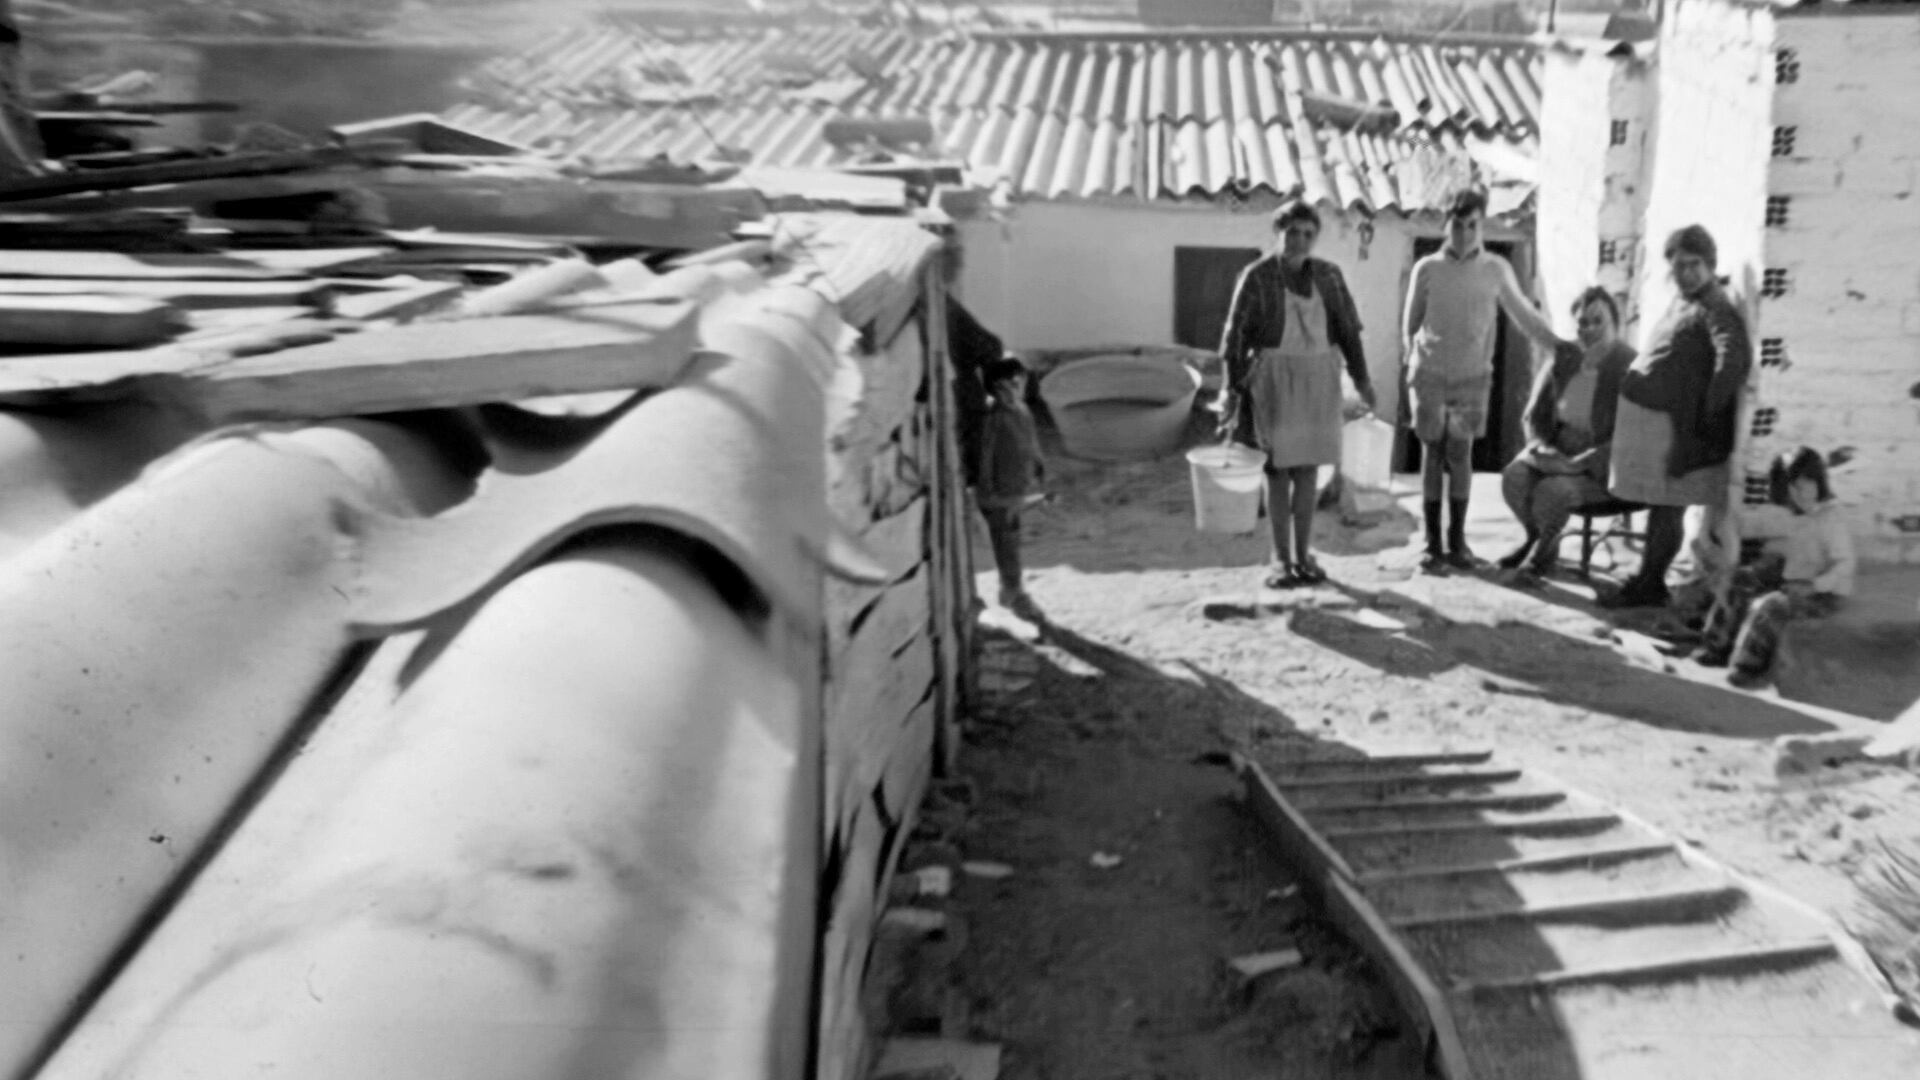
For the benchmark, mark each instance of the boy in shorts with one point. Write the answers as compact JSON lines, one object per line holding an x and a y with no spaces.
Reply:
{"x":1453,"y":305}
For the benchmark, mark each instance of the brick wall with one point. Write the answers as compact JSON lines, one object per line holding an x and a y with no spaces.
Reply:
{"x":1843,"y":238}
{"x":1710,"y":147}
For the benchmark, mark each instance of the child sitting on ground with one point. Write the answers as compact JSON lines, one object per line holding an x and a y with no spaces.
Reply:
{"x":1806,"y":574}
{"x":1008,"y":466}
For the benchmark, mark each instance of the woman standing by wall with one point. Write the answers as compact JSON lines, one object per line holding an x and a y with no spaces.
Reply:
{"x":1677,"y":416}
{"x":1569,"y":420}
{"x":1291,"y":325}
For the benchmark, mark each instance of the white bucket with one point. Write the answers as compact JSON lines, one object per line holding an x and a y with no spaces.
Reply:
{"x":1227,"y":483}
{"x":1366,"y":453}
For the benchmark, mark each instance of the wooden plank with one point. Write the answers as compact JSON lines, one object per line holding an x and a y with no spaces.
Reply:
{"x":1464,"y":778}
{"x":852,"y":908}
{"x":173,"y":172}
{"x":311,"y":260}
{"x":1518,"y":801}
{"x":868,"y":703}
{"x":1630,"y":904}
{"x":910,"y":769}
{"x":899,"y":613}
{"x":1386,"y":761}
{"x":447,"y":364}
{"x":100,"y":322}
{"x":157,"y":266}
{"x":1286,"y":827}
{"x":1593,"y":857}
{"x":400,"y":303}
{"x":1542,"y":824}
{"x":1684,"y":965}
{"x":186,"y":294}
{"x":1419,"y":999}
{"x":899,"y":542}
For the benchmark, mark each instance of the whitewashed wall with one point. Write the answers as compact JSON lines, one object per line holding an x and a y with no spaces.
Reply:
{"x":1847,"y":330}
{"x":1594,"y":192}
{"x":1063,"y":275}
{"x":1713,"y":91}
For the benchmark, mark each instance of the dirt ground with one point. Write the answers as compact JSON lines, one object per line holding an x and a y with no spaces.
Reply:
{"x":1106,"y":737}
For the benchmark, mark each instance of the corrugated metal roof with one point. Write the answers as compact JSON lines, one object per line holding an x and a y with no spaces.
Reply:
{"x":1052,"y":116}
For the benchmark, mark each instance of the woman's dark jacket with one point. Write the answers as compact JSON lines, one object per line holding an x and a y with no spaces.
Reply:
{"x":1257,"y":319}
{"x":1543,"y":406}
{"x":1693,"y":371}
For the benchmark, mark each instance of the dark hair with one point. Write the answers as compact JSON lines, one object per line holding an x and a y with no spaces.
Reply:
{"x":1594,"y":294}
{"x":1693,"y":240}
{"x":1467,"y":203}
{"x":1007,"y":367}
{"x":1803,"y":463}
{"x":1295,"y":210}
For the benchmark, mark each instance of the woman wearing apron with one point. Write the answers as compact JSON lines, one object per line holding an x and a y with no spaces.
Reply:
{"x":1291,"y":325}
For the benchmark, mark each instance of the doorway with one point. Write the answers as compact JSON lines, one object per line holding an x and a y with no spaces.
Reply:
{"x":1203,"y":280}
{"x":1512,"y":379}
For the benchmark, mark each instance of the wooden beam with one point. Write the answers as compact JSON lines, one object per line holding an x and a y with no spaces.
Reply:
{"x":1329,"y":882}
{"x":1683,"y":965}
{"x":137,"y":176}
{"x":1611,"y":853}
{"x":1299,"y":841}
{"x":438,"y":365}
{"x":401,"y":303}
{"x":1384,"y":761}
{"x":1545,"y":823}
{"x":1627,"y":904}
{"x":187,"y":294}
{"x":151,"y":267}
{"x":249,"y":376}
{"x":1516,"y":801}
{"x":1465,"y":778}
{"x":99,"y":322}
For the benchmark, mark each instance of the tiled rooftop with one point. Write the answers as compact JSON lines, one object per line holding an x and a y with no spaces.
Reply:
{"x":1350,"y":120}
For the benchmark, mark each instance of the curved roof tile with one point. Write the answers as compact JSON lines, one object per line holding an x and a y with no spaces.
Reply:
{"x":1051,"y":116}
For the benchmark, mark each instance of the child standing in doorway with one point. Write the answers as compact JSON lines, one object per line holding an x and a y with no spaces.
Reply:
{"x":1006,"y":474}
{"x":1806,"y":574}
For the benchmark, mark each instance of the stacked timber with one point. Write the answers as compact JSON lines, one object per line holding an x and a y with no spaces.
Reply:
{"x":896,"y":642}
{"x":385,"y":791}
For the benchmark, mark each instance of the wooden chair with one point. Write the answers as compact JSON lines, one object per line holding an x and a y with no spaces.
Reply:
{"x":1617,"y":515}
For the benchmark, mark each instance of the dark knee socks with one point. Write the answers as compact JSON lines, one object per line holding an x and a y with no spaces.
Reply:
{"x":1433,"y":526}
{"x":1457,"y":528}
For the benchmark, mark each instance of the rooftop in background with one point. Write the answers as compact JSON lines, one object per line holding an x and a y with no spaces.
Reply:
{"x":1351,"y":119}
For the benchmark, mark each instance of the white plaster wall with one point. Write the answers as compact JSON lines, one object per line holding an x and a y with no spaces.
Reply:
{"x":1065,"y":275}
{"x":1592,"y":190}
{"x":1849,"y":323}
{"x":1711,"y":143}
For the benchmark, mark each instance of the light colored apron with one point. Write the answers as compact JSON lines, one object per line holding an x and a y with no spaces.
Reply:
{"x":1296,"y":389}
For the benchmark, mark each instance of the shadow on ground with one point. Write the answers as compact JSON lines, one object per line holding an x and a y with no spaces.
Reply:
{"x":1088,"y":967}
{"x":1550,"y":666}
{"x":1153,"y":501}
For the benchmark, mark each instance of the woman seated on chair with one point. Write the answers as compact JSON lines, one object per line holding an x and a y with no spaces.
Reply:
{"x":1569,"y":434}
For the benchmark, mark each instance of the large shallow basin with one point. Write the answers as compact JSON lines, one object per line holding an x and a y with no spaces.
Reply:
{"x":1121,"y":408}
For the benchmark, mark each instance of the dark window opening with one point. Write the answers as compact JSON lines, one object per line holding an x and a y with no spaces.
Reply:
{"x":1203,"y":280}
{"x":1619,"y":133}
{"x":1773,"y":283}
{"x":1783,"y":139}
{"x":1773,"y":352}
{"x":1786,"y":66}
{"x":1777,"y":206}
